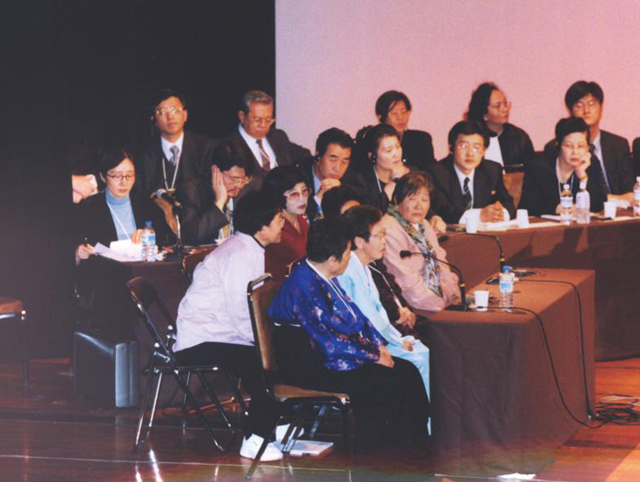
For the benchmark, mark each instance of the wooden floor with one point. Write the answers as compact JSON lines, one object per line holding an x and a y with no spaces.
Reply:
{"x":50,"y":434}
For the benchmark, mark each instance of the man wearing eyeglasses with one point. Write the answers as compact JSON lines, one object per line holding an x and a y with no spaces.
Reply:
{"x":264,"y":146}
{"x":465,"y":183}
{"x":174,"y":156}
{"x":585,"y":100}
{"x":207,"y":206}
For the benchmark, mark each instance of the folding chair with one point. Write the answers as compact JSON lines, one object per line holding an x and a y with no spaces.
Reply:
{"x":190,"y":262}
{"x":290,"y":396}
{"x":13,"y":310}
{"x":163,"y":361}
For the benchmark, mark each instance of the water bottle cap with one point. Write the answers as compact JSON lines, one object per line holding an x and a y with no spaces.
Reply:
{"x":147,"y":224}
{"x":507,"y":269}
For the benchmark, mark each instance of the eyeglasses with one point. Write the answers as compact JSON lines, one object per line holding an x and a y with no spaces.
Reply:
{"x":573,"y":147}
{"x":173,"y":110}
{"x":120,"y":177}
{"x":236,"y":180}
{"x":262,"y":120}
{"x":380,"y":234}
{"x":464,"y":146}
{"x":579,"y":106}
{"x":296,"y":195}
{"x":506,"y":104}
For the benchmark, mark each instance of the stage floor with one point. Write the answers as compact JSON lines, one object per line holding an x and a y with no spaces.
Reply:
{"x":50,"y":434}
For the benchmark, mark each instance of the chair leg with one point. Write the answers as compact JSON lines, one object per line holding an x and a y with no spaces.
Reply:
{"x":143,"y":410}
{"x":344,"y":409}
{"x":263,"y":447}
{"x":235,"y":385}
{"x":318,"y":419}
{"x":216,"y":401}
{"x":23,"y":344}
{"x":155,"y":401}
{"x":199,"y":412}
{"x":184,"y":395}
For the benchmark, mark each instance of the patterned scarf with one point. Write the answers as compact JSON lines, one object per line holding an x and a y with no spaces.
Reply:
{"x":431,"y":274}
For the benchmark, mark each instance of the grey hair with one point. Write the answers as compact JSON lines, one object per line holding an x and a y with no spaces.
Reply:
{"x":255,"y":97}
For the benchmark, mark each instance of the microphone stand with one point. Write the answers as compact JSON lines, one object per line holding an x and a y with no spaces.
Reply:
{"x":463,"y":306}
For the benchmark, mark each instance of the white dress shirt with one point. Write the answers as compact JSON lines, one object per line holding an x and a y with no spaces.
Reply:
{"x":465,"y":216}
{"x":166,"y":147}
{"x":215,"y":306}
{"x":255,"y":150}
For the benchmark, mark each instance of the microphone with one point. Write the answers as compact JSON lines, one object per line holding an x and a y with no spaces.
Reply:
{"x":463,"y":303}
{"x":170,"y":198}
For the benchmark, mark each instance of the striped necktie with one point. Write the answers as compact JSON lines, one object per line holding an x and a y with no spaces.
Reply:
{"x":266,"y":161}
{"x":466,"y":195}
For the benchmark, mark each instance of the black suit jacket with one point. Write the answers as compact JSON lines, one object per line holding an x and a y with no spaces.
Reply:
{"x":541,"y":193}
{"x":417,"y":149}
{"x":196,"y":159}
{"x":96,"y":224}
{"x":488,"y":187}
{"x":201,"y":220}
{"x":287,"y":153}
{"x":515,"y":145}
{"x":616,"y":158}
{"x":636,"y":156}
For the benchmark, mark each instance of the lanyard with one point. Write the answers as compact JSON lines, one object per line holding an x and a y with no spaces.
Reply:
{"x":115,"y":216}
{"x":175,"y":173}
{"x":335,"y":288}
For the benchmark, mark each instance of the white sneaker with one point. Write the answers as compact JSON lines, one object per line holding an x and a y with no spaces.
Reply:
{"x":251,"y":446}
{"x":281,"y":431}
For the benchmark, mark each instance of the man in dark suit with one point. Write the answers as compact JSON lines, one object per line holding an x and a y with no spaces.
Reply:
{"x":585,"y":100}
{"x":328,"y":169}
{"x":208,"y":205}
{"x":175,"y":156}
{"x":465,"y":182}
{"x":266,"y":147}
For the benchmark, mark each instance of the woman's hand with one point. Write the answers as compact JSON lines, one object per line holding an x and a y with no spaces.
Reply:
{"x":385,"y":357}
{"x":408,"y":344}
{"x":136,"y":238}
{"x":407,"y":317}
{"x":83,"y":252}
{"x":438,"y":224}
{"x":581,"y":169}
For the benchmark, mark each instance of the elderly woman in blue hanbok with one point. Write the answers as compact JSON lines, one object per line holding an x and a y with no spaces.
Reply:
{"x":334,"y":347}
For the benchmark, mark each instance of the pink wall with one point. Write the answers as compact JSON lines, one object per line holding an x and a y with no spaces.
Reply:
{"x":335,"y":57}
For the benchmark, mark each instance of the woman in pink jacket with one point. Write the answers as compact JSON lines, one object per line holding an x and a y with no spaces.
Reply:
{"x":426,"y":284}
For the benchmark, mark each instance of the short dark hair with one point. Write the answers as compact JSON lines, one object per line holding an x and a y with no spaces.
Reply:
{"x":369,"y":137}
{"x":479,"y":103}
{"x":254,"y":97}
{"x":281,"y":179}
{"x":327,"y":237}
{"x":333,"y":136}
{"x":580,"y":89}
{"x":467,"y":128}
{"x":388,"y":100}
{"x":410,"y":184}
{"x":360,"y":219}
{"x":569,"y":125}
{"x":255,"y":210}
{"x":162,"y":95}
{"x":112,"y":157}
{"x":228,"y":154}
{"x":334,"y":199}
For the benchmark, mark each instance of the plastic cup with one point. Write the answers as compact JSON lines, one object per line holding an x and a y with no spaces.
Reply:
{"x":482,"y":299}
{"x":610,"y":208}
{"x":522,"y":218}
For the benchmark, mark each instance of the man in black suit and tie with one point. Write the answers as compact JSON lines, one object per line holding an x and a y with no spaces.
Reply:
{"x":465,"y":183}
{"x":175,"y":156}
{"x":266,"y":147}
{"x":585,"y":100}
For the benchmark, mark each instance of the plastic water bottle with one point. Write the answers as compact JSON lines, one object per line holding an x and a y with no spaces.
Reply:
{"x":566,"y":205}
{"x":149,"y":248}
{"x":506,"y":287}
{"x":583,"y":204}
{"x":636,"y":197}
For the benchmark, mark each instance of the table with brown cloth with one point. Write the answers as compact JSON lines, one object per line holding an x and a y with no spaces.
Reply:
{"x":494,"y":402}
{"x":610,"y":248}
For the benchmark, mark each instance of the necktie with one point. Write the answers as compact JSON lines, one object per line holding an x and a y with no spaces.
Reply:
{"x":466,"y":195}
{"x":175,"y":150}
{"x":266,"y":161}
{"x":227,"y":229}
{"x":595,"y":158}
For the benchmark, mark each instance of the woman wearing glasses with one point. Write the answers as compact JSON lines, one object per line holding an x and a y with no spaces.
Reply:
{"x":117,"y":213}
{"x":509,"y":144}
{"x":287,"y":183}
